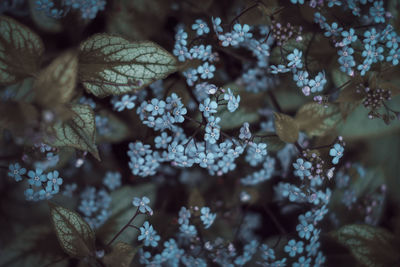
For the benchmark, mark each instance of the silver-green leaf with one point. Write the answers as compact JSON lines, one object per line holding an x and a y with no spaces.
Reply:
{"x":111,"y":65}
{"x":20,"y":51}
{"x":73,"y":232}
{"x":78,"y":132}
{"x":371,"y":246}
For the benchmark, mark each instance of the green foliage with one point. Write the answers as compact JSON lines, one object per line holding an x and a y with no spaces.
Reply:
{"x":35,"y":246}
{"x":74,"y":234}
{"x":111,"y":65}
{"x":371,"y":246}
{"x":316,"y":119}
{"x":231,"y":120}
{"x":286,"y":128}
{"x":55,"y":84}
{"x":121,"y":255}
{"x":20,"y":51}
{"x":78,"y":132}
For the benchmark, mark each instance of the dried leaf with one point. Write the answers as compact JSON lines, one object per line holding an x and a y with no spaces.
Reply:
{"x":286,"y":128}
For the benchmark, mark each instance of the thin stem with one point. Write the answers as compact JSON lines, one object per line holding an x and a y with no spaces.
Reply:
{"x":274,"y":101}
{"x":275,"y":220}
{"x":124,"y":227}
{"x":242,"y":13}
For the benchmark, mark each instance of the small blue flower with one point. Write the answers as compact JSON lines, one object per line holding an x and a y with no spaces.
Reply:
{"x":15,"y":171}
{"x":149,"y":235}
{"x":295,"y":59}
{"x":156,"y":107}
{"x":217,"y":24}
{"x":302,"y":167}
{"x":377,"y":12}
{"x":394,"y":56}
{"x":297,"y":1}
{"x":54,"y":181}
{"x":279,"y":69}
{"x":207,"y":217}
{"x":245,"y":133}
{"x":200,"y":27}
{"x":371,"y":37}
{"x":228,"y":39}
{"x":36,"y":177}
{"x":188,"y":230}
{"x":184,"y":216}
{"x":267,"y":253}
{"x":242,"y":31}
{"x":302,"y":262}
{"x":233,"y":102}
{"x":206,"y":71}
{"x":127,"y":101}
{"x":336,"y":152}
{"x":112,"y":180}
{"x":208,"y":107}
{"x":301,"y":78}
{"x":349,"y":37}
{"x":305,"y":229}
{"x":294,"y":247}
{"x":142,"y":204}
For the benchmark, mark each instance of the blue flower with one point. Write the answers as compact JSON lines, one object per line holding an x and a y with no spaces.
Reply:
{"x":294,"y":247}
{"x":279,"y":69}
{"x":15,"y":171}
{"x":212,"y":134}
{"x":162,"y":141}
{"x":233,"y":102}
{"x":267,"y":253}
{"x":394,"y":56}
{"x":200,"y":27}
{"x":228,"y":39}
{"x":184,"y":216}
{"x":54,"y":181}
{"x":245,"y":133}
{"x":206,"y":70}
{"x":141,"y":203}
{"x":36,"y":177}
{"x":371,"y":36}
{"x":148,"y":235}
{"x":207,"y":217}
{"x":302,"y":167}
{"x":112,"y":180}
{"x":317,"y":84}
{"x":181,"y":52}
{"x":301,"y":78}
{"x":44,"y":4}
{"x":349,"y":37}
{"x":377,"y":12}
{"x":217,"y":24}
{"x":156,"y":107}
{"x":191,"y":76}
{"x":127,"y":102}
{"x":392,"y":40}
{"x":305,"y":229}
{"x":295,"y":59}
{"x":208,"y":107}
{"x":242,"y":31}
{"x":205,"y":159}
{"x":188,"y":230}
{"x":336,"y":152}
{"x":332,"y":30}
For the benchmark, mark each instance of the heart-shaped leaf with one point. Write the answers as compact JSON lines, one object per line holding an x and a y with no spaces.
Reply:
{"x":73,"y":232}
{"x":111,"y":65}
{"x":20,"y":51}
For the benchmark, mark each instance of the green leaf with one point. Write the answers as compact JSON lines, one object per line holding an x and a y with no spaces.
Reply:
{"x":121,"y":255}
{"x":57,"y":82}
{"x":35,"y":246}
{"x":111,"y":65}
{"x":316,"y":119}
{"x":20,"y":51}
{"x":286,"y":128}
{"x":78,"y":132}
{"x":122,"y":210}
{"x":231,"y":120}
{"x":73,"y":232}
{"x":358,"y":125}
{"x":371,"y":246}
